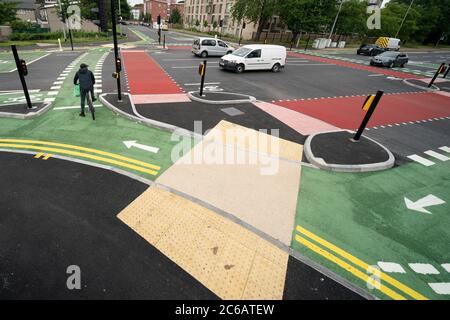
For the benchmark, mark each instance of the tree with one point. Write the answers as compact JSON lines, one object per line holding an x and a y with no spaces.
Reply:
{"x":256,"y":11}
{"x":353,"y":18}
{"x":214,"y":25}
{"x":307,"y":15}
{"x":175,"y":16}
{"x":7,"y":12}
{"x":197,"y":23}
{"x":205,"y":24}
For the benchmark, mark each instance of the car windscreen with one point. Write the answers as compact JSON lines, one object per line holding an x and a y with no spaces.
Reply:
{"x":196,"y":42}
{"x":242,"y":52}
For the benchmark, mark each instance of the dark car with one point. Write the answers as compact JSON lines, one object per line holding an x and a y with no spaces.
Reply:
{"x":370,"y":50}
{"x":390,"y":59}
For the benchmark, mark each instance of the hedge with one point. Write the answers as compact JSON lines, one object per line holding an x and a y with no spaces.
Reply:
{"x":23,"y":36}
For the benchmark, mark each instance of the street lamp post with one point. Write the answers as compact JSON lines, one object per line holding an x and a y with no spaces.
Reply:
{"x":404,"y":18}
{"x":336,"y":19}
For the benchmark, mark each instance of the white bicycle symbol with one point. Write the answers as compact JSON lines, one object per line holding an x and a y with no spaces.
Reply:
{"x":213,"y":88}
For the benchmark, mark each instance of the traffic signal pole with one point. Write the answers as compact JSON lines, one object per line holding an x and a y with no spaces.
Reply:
{"x":116,"y":51}
{"x":21,"y":75}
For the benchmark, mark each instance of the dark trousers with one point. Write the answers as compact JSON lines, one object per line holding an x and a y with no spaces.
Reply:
{"x":83,"y":96}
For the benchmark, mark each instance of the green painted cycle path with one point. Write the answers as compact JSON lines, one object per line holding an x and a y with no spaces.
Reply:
{"x":365,"y":215}
{"x":106,"y":133}
{"x":7,"y":63}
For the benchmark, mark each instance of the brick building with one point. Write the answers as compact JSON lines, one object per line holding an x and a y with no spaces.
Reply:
{"x":155,"y":8}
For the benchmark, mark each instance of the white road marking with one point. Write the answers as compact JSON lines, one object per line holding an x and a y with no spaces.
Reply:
{"x":421,"y":160}
{"x":446,"y":149}
{"x":423,"y":268}
{"x":58,"y":82}
{"x":75,"y":107}
{"x":30,"y":62}
{"x":391,"y":267}
{"x":55,"y":88}
{"x":313,"y":64}
{"x":49,"y":99}
{"x":52,"y":93}
{"x":436,"y":155}
{"x":197,"y":84}
{"x":440,"y":287}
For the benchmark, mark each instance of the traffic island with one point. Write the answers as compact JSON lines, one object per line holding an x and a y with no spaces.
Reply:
{"x":22,"y":111}
{"x":337,"y":151}
{"x":421,"y":84}
{"x":220,"y":97}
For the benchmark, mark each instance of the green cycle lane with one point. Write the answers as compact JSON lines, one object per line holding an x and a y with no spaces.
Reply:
{"x":363,"y":219}
{"x":107,"y":133}
{"x":7,"y":63}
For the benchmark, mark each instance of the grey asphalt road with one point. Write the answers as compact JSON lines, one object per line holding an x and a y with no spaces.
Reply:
{"x":172,"y":37}
{"x":406,"y":140}
{"x":51,"y":217}
{"x":424,"y":62}
{"x":301,"y":78}
{"x":41,"y":74}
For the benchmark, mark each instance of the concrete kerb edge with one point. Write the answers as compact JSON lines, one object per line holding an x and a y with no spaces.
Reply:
{"x":318,"y":162}
{"x":151,"y":123}
{"x":31,"y":115}
{"x":432,"y":89}
{"x":249,"y":99}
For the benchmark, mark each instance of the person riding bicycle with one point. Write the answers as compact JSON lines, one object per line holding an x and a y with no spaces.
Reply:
{"x":87,"y":80}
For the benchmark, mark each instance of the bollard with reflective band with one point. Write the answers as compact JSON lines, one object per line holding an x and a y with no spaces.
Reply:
{"x":202,"y":72}
{"x":368,"y":102}
{"x":369,"y":114}
{"x":436,"y":75}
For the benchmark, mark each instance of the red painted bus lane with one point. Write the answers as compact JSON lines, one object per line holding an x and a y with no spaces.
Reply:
{"x":346,"y":112}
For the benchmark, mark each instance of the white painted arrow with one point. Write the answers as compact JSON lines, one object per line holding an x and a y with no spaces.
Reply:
{"x":134,"y":143}
{"x":421,"y":204}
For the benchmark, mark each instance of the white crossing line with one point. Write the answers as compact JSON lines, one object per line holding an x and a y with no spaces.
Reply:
{"x":58,"y":82}
{"x":446,"y":149}
{"x":75,"y":107}
{"x":52,"y":93}
{"x":436,"y":155}
{"x":421,"y":160}
{"x":55,"y":88}
{"x":440,"y":287}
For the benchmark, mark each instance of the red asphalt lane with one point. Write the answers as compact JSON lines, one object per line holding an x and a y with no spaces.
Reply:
{"x":145,"y":75}
{"x":351,"y":65}
{"x":346,"y":113}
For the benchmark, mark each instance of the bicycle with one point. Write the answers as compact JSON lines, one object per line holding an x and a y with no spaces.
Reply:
{"x":91,"y":105}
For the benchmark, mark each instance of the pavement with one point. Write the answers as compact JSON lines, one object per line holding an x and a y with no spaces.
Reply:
{"x":236,"y":211}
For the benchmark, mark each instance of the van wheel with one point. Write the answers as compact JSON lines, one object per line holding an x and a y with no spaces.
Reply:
{"x":204,"y":54}
{"x":240,"y":68}
{"x":276,"y":67}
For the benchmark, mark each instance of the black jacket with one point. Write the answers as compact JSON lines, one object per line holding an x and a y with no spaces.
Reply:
{"x":86,"y":78}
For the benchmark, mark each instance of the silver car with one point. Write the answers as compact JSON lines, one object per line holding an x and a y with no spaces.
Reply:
{"x":390,"y":59}
{"x":204,"y":47}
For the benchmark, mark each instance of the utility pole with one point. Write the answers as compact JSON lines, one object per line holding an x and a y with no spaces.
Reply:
{"x":336,"y":19}
{"x":404,"y":18}
{"x":117,"y":60}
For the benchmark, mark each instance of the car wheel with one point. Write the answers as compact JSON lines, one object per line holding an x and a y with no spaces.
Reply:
{"x":229,"y":52}
{"x":391,"y":65}
{"x":276,"y":67}
{"x":371,"y":63}
{"x":240,"y":68}
{"x":204,"y":54}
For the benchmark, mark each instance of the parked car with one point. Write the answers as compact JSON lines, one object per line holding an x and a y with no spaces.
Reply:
{"x":255,"y":57}
{"x":370,"y":50}
{"x":205,"y":47}
{"x":390,"y":59}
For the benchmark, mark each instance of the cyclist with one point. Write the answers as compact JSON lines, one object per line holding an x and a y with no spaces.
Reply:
{"x":87,"y":81}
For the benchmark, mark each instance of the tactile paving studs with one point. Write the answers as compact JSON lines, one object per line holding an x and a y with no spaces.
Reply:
{"x":228,"y":259}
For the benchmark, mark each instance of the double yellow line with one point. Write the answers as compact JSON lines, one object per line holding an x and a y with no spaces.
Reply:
{"x":354,"y":265}
{"x":81,"y":152}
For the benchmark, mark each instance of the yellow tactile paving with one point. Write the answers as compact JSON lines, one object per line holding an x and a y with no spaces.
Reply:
{"x":230,"y":260}
{"x":238,"y":136}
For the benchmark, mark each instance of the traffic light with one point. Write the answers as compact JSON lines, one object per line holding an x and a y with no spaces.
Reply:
{"x":221,"y":23}
{"x":115,"y":75}
{"x":118,"y":65}
{"x":23,"y":66}
{"x":244,"y":25}
{"x":159,"y":19}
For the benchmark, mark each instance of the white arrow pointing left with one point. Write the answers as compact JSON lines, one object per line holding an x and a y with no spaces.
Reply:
{"x":134,"y":143}
{"x":421,"y":204}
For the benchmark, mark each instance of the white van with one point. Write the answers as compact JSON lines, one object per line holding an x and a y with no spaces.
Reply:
{"x":255,"y":57}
